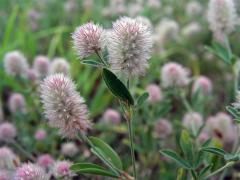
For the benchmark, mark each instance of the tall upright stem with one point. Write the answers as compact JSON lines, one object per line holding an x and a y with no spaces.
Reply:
{"x":130,"y":131}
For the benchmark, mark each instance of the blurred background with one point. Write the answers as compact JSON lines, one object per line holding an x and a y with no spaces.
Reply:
{"x":180,"y":31}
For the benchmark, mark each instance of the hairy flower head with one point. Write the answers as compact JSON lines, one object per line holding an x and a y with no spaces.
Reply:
{"x":60,"y":65}
{"x":15,"y":64}
{"x":174,"y":74}
{"x":29,"y":171}
{"x":63,"y":106}
{"x":129,"y":46}
{"x":17,"y":103}
{"x":7,"y":131}
{"x":41,"y":66}
{"x":87,"y":39}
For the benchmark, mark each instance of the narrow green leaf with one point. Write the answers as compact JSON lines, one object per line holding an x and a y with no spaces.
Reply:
{"x":214,"y":150}
{"x":92,"y":63}
{"x":117,"y":87}
{"x":142,"y":98}
{"x":186,"y":146}
{"x":89,"y":168}
{"x":78,"y":166}
{"x":233,"y":111}
{"x":207,"y":142}
{"x":108,"y":152}
{"x":194,"y":175}
{"x":205,"y":170}
{"x":176,"y":158}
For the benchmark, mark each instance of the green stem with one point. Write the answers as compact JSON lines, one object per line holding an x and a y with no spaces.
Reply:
{"x":185,"y":102}
{"x":101,"y":59}
{"x":20,"y":148}
{"x":229,"y":164}
{"x":129,"y":123}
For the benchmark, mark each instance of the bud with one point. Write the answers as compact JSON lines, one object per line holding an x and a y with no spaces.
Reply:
{"x":45,"y":161}
{"x":203,"y":84}
{"x":174,"y":75}
{"x":162,"y":129}
{"x":60,"y":65}
{"x":193,"y":121}
{"x":15,"y":64}
{"x":7,"y":131}
{"x":41,"y":66}
{"x":61,"y":169}
{"x":17,"y":103}
{"x":69,"y":149}
{"x":7,"y":158}
{"x":154,"y":92}
{"x":111,"y":116}
{"x":40,"y":134}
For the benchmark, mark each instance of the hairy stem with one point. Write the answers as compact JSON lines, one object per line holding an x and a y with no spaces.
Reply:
{"x":130,"y":131}
{"x":229,"y":164}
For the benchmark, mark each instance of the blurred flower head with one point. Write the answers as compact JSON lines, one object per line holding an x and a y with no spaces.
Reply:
{"x":29,"y":171}
{"x":191,"y":30}
{"x":60,"y":65}
{"x":174,"y":75}
{"x":69,"y":149}
{"x":166,"y":30}
{"x":33,"y":19}
{"x":129,"y":47}
{"x":193,"y":121}
{"x":15,"y":64}
{"x":222,"y":17}
{"x":5,"y":175}
{"x":87,"y":39}
{"x":45,"y":160}
{"x":7,"y":131}
{"x":63,"y":106}
{"x":154,"y":92}
{"x":111,"y":116}
{"x":41,"y":66}
{"x":194,"y":8}
{"x":162,"y":129}
{"x":221,"y":127}
{"x":61,"y":169}
{"x":32,"y":75}
{"x":7,"y":158}
{"x":40,"y":134}
{"x":203,"y":84}
{"x":17,"y":103}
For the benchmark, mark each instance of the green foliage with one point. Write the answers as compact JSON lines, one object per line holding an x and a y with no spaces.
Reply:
{"x":89,"y":168}
{"x":117,"y":87}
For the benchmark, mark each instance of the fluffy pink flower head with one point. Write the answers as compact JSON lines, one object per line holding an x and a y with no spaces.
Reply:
{"x":111,"y":116}
{"x":222,"y":16}
{"x":32,"y":75}
{"x":17,"y":103}
{"x":15,"y":64}
{"x":203,"y":137}
{"x":7,"y":158}
{"x":45,"y":160}
{"x":41,"y":66}
{"x":162,"y":129}
{"x":87,"y":39}
{"x":174,"y":74}
{"x":219,"y":125}
{"x":129,"y":47}
{"x":61,"y":168}
{"x":5,"y":175}
{"x":7,"y":131}
{"x":69,"y":149}
{"x":29,"y":171}
{"x":203,"y":84}
{"x":154,"y":92}
{"x":40,"y":134}
{"x":193,"y":121}
{"x":63,"y":106}
{"x":60,"y":65}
